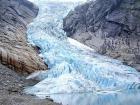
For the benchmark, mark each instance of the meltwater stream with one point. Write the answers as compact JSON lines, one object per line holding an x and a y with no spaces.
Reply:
{"x":77,"y":74}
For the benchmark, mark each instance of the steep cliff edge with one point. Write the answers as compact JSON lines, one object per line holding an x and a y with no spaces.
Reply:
{"x":111,"y":27}
{"x":15,"y":52}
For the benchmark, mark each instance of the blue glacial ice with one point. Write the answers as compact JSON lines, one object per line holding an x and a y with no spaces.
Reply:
{"x":74,"y":67}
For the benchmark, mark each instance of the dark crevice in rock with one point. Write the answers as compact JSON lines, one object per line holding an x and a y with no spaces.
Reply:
{"x":12,"y":7}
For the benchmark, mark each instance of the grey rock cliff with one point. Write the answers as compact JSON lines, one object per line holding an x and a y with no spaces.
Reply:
{"x":111,"y":27}
{"x":15,"y":53}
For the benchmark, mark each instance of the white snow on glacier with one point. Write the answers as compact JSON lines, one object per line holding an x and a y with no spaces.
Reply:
{"x":74,"y":67}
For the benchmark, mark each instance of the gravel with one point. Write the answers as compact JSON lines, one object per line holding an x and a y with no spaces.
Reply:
{"x":11,"y":89}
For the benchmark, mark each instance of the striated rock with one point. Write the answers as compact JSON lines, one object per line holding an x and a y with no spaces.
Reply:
{"x":15,"y":52}
{"x":111,"y":27}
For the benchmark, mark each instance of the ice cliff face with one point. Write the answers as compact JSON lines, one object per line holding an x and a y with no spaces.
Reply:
{"x":113,"y":23}
{"x":15,"y":52}
{"x":74,"y":67}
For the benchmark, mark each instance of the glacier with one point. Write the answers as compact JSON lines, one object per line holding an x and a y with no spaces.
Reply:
{"x":74,"y":68}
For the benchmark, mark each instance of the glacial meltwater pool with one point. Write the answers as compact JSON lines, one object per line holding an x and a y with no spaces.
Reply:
{"x":77,"y":75}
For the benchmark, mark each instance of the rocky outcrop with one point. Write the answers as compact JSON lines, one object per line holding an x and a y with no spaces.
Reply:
{"x":15,"y":52}
{"x":111,"y":27}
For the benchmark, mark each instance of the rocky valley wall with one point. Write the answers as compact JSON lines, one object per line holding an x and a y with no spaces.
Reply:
{"x":15,"y":52}
{"x":111,"y":27}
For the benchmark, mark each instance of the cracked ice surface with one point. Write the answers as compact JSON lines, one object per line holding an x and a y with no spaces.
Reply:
{"x":74,"y":67}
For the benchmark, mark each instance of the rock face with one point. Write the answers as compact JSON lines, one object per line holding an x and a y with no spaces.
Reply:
{"x":15,"y":52}
{"x":111,"y":27}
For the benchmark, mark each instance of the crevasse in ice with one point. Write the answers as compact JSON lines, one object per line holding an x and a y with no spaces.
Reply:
{"x":74,"y":67}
